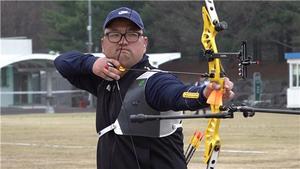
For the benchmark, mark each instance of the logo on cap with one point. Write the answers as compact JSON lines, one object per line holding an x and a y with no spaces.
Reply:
{"x":123,"y":12}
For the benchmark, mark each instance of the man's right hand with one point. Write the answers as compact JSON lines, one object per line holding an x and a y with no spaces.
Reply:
{"x":107,"y":69}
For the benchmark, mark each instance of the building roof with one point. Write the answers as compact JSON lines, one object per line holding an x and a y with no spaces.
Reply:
{"x":7,"y":59}
{"x":11,"y":59}
{"x":294,"y":55}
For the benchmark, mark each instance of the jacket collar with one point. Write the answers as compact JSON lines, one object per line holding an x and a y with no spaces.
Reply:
{"x":143,"y":62}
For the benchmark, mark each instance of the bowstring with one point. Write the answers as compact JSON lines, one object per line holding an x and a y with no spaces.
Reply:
{"x":121,"y":99}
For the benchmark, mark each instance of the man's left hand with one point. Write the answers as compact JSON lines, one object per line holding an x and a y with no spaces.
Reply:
{"x":228,"y":94}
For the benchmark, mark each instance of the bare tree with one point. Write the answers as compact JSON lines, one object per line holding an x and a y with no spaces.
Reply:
{"x":24,"y":19}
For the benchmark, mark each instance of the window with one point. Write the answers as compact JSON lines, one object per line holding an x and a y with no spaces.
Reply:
{"x":295,"y":72}
{"x":4,"y":77}
{"x":298,"y":75}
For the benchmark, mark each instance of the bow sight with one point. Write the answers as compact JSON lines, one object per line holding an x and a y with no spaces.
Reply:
{"x":244,"y":59}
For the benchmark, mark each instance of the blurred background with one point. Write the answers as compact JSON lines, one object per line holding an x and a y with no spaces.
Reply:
{"x":33,"y":33}
{"x":40,"y":130}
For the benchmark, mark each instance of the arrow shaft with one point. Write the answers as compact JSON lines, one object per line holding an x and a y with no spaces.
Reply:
{"x":173,"y":72}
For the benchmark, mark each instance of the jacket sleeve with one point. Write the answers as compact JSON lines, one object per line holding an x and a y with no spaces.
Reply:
{"x":164,"y":92}
{"x":77,"y":69}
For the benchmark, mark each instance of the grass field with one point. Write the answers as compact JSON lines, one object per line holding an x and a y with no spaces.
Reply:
{"x":68,"y":140}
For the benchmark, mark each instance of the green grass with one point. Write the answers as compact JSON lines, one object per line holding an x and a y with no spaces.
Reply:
{"x":68,"y":140}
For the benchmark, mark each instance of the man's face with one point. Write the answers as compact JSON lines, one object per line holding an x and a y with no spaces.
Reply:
{"x":128,"y":51}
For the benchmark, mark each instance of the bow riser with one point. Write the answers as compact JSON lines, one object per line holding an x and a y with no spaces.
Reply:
{"x":212,"y":139}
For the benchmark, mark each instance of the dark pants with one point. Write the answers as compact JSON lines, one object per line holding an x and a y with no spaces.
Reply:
{"x":122,"y":152}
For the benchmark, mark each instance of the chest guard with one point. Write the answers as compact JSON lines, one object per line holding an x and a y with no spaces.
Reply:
{"x":135,"y":103}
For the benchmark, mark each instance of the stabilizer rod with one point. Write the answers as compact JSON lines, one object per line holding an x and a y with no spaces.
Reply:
{"x":229,"y":111}
{"x":142,"y":117}
{"x":264,"y":110}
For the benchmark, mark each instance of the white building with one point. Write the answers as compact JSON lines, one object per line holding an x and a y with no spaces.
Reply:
{"x":293,"y":92}
{"x":30,"y":80}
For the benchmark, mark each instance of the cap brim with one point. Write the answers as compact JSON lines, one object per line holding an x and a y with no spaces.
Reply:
{"x":121,"y":17}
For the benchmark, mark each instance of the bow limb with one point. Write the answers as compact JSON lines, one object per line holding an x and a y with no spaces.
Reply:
{"x":214,"y":63}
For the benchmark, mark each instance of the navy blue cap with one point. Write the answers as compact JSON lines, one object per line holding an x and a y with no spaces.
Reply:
{"x":126,"y":13}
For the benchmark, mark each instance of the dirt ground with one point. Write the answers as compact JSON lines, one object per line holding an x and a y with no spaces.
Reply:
{"x":68,"y":140}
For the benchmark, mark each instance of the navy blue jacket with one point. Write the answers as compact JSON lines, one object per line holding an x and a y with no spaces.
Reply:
{"x":163,"y":92}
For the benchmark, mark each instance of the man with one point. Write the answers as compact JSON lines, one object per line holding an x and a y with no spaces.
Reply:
{"x":121,"y":91}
